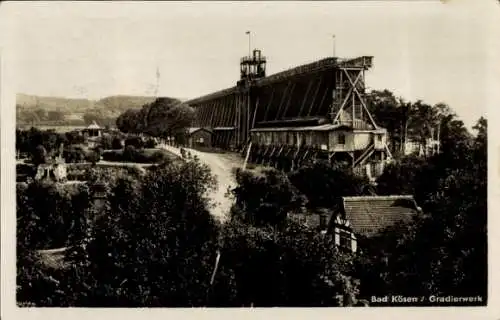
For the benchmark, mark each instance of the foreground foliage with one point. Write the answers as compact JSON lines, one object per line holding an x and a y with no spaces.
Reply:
{"x":155,"y":244}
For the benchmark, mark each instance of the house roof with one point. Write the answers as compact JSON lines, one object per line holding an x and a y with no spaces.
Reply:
{"x":368,"y":215}
{"x":324,"y":127}
{"x":223,"y":128}
{"x":194,"y":129}
{"x":93,"y":125}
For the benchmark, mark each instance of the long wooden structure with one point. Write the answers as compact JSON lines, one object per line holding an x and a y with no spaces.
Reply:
{"x":317,"y":110}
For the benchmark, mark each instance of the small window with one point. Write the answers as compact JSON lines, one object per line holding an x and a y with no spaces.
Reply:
{"x":379,"y":138}
{"x":345,"y":239}
{"x":341,"y":138}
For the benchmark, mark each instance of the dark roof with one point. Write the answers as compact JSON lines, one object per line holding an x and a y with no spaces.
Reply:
{"x":368,"y":215}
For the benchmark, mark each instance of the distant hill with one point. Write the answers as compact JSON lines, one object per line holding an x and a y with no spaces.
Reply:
{"x":74,"y":109}
{"x":121,"y":103}
{"x":53,"y":103}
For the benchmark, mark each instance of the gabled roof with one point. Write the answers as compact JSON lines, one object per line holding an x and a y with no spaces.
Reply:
{"x":369,"y":215}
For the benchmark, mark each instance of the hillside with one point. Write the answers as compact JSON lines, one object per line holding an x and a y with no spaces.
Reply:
{"x":73,"y":110}
{"x":53,"y":103}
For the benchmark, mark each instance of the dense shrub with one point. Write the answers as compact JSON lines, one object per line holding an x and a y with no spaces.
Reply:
{"x":93,"y":156}
{"x":292,"y":267}
{"x":150,"y":143}
{"x":106,"y":142}
{"x":48,"y":216}
{"x":130,"y":154}
{"x":116,"y":143}
{"x":75,"y":154}
{"x":324,"y":184}
{"x":266,"y":198}
{"x":135,"y":142}
{"x":39,"y":155}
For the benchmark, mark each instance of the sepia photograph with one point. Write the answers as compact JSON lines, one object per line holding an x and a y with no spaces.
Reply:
{"x":249,"y":154}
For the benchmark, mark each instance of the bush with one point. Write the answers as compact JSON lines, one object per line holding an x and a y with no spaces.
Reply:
{"x":130,"y":154}
{"x":93,"y":156}
{"x":116,"y":143}
{"x":74,"y":154}
{"x":135,"y":142}
{"x":39,"y":155}
{"x":49,"y":215}
{"x":150,"y":143}
{"x":106,"y":142}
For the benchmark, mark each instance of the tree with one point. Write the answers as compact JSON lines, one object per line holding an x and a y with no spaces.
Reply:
{"x":401,"y":176}
{"x":266,"y":198}
{"x":39,"y":155}
{"x":159,"y":244}
{"x":443,"y":252}
{"x":164,"y":117}
{"x":324,"y":184}
{"x":293,"y":266}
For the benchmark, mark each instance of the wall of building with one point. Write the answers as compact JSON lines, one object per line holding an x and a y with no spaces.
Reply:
{"x":200,"y":138}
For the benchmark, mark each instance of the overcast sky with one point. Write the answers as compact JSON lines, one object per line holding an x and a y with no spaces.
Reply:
{"x":422,"y":49}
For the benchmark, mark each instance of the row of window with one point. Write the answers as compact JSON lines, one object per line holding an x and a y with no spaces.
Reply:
{"x":293,"y":138}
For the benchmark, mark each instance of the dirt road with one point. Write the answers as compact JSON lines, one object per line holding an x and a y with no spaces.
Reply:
{"x":222,"y":166}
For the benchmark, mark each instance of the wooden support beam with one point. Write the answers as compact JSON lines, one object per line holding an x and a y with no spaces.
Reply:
{"x":323,"y":98}
{"x":212,"y":115}
{"x":255,"y":112}
{"x":269,"y":104}
{"x":282,"y":100}
{"x":226,"y":113}
{"x":237,"y":120}
{"x":220,"y":109}
{"x":213,"y":118}
{"x":309,"y":85}
{"x":361,"y":98}
{"x":290,"y":94}
{"x":207,"y":119}
{"x":199,"y":116}
{"x":349,"y":94}
{"x":315,"y":95}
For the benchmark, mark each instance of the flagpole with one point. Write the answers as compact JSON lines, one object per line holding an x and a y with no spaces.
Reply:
{"x":333,"y":45}
{"x":249,"y":44}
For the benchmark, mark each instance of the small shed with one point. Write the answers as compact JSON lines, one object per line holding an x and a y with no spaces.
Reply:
{"x":200,"y":137}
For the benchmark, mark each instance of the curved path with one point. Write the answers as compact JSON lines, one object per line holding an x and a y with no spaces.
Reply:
{"x":222,"y":166}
